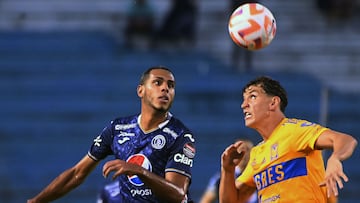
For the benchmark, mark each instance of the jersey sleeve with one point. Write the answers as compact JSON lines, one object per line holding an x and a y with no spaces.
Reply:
{"x":182,"y":155}
{"x":101,"y":146}
{"x":306,"y":135}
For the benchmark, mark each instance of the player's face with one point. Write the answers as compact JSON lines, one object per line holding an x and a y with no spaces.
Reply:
{"x":158,"y":91}
{"x":255,"y":106}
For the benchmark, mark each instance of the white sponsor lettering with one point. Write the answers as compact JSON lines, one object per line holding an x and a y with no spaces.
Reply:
{"x":181,"y":158}
{"x":171,"y":132}
{"x":124,"y":127}
{"x":125,"y":134}
{"x":142,"y":192}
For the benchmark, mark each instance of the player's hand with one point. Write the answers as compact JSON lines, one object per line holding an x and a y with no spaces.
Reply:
{"x":120,"y":167}
{"x":232,"y":156}
{"x":334,"y":176}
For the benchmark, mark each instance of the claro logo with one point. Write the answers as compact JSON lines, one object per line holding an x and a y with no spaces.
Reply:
{"x":181,"y":158}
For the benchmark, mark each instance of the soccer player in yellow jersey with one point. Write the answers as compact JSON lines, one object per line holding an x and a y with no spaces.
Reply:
{"x":287,"y":166}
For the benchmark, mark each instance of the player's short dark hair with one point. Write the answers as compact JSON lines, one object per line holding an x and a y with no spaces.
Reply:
{"x":271,"y":87}
{"x":146,"y":73}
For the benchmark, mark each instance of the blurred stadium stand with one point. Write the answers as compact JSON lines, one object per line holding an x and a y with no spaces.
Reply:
{"x":60,"y":64}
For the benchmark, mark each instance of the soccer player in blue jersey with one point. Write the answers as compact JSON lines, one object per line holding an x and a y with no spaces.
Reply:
{"x":153,"y":150}
{"x":287,"y":166}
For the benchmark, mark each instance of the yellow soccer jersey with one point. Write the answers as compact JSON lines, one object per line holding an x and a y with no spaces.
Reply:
{"x":286,"y":168}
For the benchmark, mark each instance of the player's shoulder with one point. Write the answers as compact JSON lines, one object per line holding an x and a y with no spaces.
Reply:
{"x":126,"y":122}
{"x":126,"y":119}
{"x":178,"y":126}
{"x":178,"y":131}
{"x":174,"y":121}
{"x":297,"y":122}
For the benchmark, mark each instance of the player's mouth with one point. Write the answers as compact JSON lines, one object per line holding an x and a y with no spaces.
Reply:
{"x":247,"y":115}
{"x":164,"y":98}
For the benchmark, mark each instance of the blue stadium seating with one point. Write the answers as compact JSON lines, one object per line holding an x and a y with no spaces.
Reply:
{"x":58,"y":93}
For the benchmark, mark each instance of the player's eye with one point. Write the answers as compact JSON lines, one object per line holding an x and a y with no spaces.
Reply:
{"x":171,"y":84}
{"x":157,"y":82}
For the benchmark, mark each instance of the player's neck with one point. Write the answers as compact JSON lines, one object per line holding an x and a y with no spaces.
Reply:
{"x":267,"y":129}
{"x":149,"y":122}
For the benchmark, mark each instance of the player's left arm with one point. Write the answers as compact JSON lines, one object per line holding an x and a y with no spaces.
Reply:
{"x":172,"y":188}
{"x":343,"y":146}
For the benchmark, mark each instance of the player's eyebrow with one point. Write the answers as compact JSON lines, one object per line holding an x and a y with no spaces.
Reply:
{"x":169,"y":82}
{"x":250,"y":91}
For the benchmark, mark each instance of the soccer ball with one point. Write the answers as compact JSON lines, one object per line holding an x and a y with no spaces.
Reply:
{"x":252,"y":26}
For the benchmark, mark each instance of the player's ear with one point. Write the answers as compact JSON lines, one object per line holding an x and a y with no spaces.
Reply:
{"x":140,"y":90}
{"x":275,"y":102}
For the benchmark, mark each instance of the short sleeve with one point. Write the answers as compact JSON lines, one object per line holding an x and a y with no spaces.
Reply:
{"x":182,"y":155}
{"x":101,"y":146}
{"x":306,"y":135}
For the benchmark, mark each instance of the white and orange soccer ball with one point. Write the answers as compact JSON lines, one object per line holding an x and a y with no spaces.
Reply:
{"x":252,"y":26}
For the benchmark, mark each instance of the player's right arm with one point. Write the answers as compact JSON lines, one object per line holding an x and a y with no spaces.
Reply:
{"x":66,"y":181}
{"x":231,"y":191}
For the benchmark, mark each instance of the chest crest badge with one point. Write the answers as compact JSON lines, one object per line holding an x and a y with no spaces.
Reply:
{"x":158,"y":142}
{"x":274,"y":152}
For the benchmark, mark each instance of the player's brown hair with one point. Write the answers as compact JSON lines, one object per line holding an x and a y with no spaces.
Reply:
{"x":271,"y":87}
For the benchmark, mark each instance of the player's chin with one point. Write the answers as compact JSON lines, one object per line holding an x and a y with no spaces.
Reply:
{"x":163,"y":107}
{"x":168,"y":105}
{"x":248,"y":123}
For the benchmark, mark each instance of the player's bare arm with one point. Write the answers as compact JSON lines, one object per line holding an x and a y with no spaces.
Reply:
{"x":241,"y":192}
{"x":343,"y":146}
{"x":172,"y":188}
{"x":244,"y":191}
{"x":66,"y":181}
{"x":232,"y":155}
